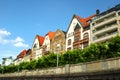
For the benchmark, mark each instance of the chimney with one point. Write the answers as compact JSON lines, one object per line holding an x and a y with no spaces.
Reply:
{"x":97,"y":11}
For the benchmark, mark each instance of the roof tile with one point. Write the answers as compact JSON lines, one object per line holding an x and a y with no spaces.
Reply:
{"x":41,"y":39}
{"x":22,"y":54}
{"x":50,"y":34}
{"x":84,"y":21}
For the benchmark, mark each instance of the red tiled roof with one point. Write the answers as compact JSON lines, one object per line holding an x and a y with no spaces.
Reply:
{"x":22,"y":54}
{"x":84,"y":21}
{"x":41,"y":39}
{"x":51,"y":35}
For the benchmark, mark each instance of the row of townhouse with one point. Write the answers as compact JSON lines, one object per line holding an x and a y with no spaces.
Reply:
{"x":81,"y":32}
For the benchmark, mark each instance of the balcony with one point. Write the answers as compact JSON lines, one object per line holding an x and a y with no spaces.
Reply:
{"x":80,"y":41}
{"x":104,"y":16}
{"x":46,"y":52}
{"x":105,"y":38}
{"x":105,"y":21}
{"x":105,"y":29}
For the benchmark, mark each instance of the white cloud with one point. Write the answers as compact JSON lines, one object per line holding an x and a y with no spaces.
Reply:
{"x":18,"y":39}
{"x":3,"y":33}
{"x":17,"y":42}
{"x":20,"y":44}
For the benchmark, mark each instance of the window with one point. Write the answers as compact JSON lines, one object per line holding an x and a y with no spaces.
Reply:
{"x":93,"y":31}
{"x":62,"y":47}
{"x":70,"y":34}
{"x":93,"y":24}
{"x":35,"y":45}
{"x":69,"y":42}
{"x":86,"y":35}
{"x":69,"y":48}
{"x":118,"y":13}
{"x":77,"y":38}
{"x":94,"y":38}
{"x":85,"y":44}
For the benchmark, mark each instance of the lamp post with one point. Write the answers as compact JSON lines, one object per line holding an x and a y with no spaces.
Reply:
{"x":58,"y":46}
{"x":18,"y":65}
{"x":2,"y":69}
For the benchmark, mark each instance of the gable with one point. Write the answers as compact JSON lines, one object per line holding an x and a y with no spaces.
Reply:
{"x":72,"y":26}
{"x":38,"y":41}
{"x":46,"y":40}
{"x":58,"y":34}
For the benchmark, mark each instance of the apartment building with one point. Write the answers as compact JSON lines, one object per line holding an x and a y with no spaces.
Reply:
{"x":105,"y":25}
{"x":20,"y":57}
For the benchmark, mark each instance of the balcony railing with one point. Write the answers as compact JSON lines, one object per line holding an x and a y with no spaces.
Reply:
{"x":103,"y":16}
{"x":80,"y":41}
{"x":106,"y":21}
{"x":105,"y":29}
{"x":105,"y":37}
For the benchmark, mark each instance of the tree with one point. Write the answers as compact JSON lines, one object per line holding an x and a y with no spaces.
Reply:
{"x":114,"y":46}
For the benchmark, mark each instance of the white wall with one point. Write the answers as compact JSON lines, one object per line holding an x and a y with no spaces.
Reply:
{"x":47,"y":43}
{"x":8,"y":62}
{"x":37,"y":50}
{"x":36,"y":42}
{"x":70,"y":33}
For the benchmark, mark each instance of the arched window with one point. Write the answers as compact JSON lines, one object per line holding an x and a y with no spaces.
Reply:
{"x":69,"y":42}
{"x":86,"y":35}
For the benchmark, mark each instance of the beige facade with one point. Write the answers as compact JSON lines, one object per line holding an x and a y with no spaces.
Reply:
{"x":58,"y":42}
{"x":105,"y":26}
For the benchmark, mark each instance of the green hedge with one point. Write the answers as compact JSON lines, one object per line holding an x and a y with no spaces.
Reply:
{"x":94,"y":52}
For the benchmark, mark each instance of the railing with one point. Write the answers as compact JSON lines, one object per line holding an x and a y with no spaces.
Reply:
{"x":105,"y":29}
{"x":105,"y":37}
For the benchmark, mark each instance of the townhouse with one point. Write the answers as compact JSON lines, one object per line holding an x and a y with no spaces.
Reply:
{"x":37,"y":47}
{"x":105,"y":25}
{"x":58,"y":42}
{"x":78,"y":33}
{"x":27,"y":56}
{"x":19,"y":58}
{"x":47,"y":42}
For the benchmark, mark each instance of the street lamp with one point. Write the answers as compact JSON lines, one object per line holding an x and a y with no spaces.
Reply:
{"x":2,"y":69}
{"x":18,"y":65}
{"x":58,"y":46}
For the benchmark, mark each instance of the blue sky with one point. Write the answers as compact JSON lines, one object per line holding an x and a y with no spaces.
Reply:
{"x":21,"y":20}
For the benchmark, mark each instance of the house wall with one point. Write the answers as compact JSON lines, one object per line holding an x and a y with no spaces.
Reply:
{"x":36,"y":51}
{"x":59,"y":38}
{"x":47,"y":43}
{"x":70,"y":33}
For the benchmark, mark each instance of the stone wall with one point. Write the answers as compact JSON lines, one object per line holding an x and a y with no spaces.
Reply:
{"x":94,"y":66}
